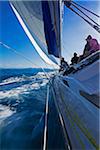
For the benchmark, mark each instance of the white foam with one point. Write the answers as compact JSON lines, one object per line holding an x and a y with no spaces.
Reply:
{"x":5,"y":112}
{"x":11,"y":80}
{"x":36,"y":81}
{"x":24,"y":89}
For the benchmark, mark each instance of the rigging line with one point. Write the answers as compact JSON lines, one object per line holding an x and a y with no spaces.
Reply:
{"x":92,"y":25}
{"x":86,"y":9}
{"x":20,"y":54}
{"x":46,"y":119}
{"x":86,"y":15}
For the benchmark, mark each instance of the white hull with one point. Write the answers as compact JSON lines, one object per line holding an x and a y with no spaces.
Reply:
{"x":78,"y":108}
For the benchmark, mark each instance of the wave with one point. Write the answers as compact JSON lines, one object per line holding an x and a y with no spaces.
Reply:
{"x":22,"y":106}
{"x":17,"y":85}
{"x":5,"y":112}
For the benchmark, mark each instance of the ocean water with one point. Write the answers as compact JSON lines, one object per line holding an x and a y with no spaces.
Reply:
{"x":22,"y":111}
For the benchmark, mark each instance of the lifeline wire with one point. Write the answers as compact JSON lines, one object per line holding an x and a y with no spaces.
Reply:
{"x":20,"y":54}
{"x":46,"y":120}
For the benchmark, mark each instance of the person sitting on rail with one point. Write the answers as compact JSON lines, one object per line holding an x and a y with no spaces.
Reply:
{"x":91,"y":46}
{"x":63,"y":65}
{"x":74,"y":59}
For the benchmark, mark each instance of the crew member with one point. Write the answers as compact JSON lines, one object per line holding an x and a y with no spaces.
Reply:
{"x":74,"y":59}
{"x":63,"y":65}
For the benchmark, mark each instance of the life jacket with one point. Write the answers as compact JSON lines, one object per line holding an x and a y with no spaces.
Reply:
{"x":94,"y":45}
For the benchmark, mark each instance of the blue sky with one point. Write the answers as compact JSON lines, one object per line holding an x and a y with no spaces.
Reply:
{"x":75,"y":30}
{"x":12,"y":34}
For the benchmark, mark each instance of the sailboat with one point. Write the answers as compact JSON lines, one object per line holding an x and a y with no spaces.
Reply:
{"x":78,"y":108}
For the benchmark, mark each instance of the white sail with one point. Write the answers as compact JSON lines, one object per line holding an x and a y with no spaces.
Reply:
{"x":29,"y":14}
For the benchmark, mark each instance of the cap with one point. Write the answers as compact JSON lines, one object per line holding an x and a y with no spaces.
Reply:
{"x":89,"y":37}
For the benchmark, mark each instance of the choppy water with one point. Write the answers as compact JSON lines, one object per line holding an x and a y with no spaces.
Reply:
{"x":22,"y":107}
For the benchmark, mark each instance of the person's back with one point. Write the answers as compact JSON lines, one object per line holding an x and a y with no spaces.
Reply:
{"x":74,"y":60}
{"x":64,"y":65}
{"x":91,"y":46}
{"x":86,"y":48}
{"x":94,"y":45}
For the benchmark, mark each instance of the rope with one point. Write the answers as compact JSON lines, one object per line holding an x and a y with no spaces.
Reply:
{"x":86,"y":15}
{"x":86,"y":9}
{"x":94,"y":26}
{"x":46,"y":120}
{"x":20,"y":54}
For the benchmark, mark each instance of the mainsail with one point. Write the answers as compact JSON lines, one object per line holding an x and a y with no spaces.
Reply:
{"x":31,"y":16}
